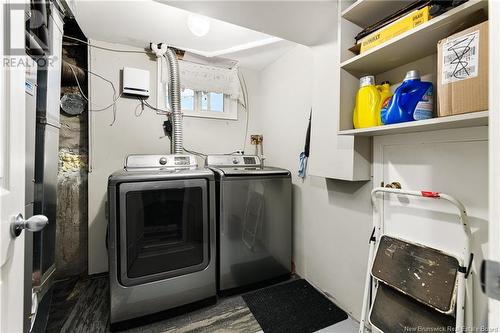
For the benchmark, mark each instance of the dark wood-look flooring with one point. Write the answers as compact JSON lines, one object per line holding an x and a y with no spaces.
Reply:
{"x":81,"y":305}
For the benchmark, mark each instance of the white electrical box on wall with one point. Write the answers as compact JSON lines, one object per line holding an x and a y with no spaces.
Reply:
{"x":135,"y":81}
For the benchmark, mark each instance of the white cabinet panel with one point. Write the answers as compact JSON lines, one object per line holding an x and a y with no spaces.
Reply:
{"x":453,"y":162}
{"x":333,"y":156}
{"x":494,"y":228}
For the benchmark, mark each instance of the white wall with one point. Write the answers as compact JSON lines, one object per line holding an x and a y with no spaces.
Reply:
{"x":131,"y":134}
{"x":332,"y":219}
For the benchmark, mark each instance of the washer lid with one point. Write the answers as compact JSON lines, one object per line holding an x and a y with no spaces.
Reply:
{"x":254,"y":171}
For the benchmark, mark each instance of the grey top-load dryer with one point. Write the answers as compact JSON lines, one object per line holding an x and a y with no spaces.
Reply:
{"x":161,"y":242}
{"x":254,"y":221}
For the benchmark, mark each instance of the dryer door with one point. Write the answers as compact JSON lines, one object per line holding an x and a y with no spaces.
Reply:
{"x":163,"y":230}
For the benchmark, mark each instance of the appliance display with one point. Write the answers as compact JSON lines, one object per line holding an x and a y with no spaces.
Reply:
{"x":254,"y":221}
{"x":161,"y":240}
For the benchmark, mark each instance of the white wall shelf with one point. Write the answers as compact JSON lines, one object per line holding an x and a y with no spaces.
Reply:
{"x":367,"y":12}
{"x":407,"y":47}
{"x":473,"y":119}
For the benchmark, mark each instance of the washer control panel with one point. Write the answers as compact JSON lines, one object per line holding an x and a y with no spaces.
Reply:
{"x":233,"y":160}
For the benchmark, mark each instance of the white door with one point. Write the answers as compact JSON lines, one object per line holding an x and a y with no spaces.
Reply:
{"x":12,"y":156}
{"x":494,"y":168}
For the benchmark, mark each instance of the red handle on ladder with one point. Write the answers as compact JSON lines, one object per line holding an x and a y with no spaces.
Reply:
{"x":430,"y":194}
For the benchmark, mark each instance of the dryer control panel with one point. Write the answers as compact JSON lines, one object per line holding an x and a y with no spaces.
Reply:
{"x":160,"y":161}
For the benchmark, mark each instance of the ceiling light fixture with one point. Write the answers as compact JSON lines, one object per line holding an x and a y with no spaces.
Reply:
{"x":198,"y":25}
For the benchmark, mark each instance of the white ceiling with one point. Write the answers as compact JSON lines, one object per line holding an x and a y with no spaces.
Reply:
{"x":308,"y":22}
{"x":259,"y":57}
{"x":139,"y":22}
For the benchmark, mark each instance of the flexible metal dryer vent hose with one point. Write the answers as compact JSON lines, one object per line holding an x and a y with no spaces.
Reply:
{"x":176,"y":146}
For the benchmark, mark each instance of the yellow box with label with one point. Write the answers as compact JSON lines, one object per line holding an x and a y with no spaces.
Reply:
{"x":396,"y":28}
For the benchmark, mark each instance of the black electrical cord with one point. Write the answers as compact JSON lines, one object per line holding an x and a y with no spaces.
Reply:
{"x":105,"y":48}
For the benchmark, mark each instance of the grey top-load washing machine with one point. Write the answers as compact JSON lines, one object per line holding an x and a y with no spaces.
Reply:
{"x":161,"y":240}
{"x":254,"y":221}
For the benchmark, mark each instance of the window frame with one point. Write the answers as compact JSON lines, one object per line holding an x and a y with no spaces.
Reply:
{"x":230,"y":111}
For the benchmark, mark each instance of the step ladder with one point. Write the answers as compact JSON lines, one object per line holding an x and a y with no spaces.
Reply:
{"x":416,"y":288}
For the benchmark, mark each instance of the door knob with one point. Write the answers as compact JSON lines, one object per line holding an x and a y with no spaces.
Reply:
{"x":33,"y":224}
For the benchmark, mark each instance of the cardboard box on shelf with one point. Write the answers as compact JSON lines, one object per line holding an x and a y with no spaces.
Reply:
{"x":462,"y":71}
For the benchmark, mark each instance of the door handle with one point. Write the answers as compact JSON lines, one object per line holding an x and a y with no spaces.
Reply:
{"x":33,"y":224}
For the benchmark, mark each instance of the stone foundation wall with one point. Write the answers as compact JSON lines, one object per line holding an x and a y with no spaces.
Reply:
{"x":72,"y":201}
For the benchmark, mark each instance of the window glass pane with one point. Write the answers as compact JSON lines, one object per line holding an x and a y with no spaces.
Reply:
{"x":204,"y":101}
{"x":187,"y":99}
{"x":216,"y":102}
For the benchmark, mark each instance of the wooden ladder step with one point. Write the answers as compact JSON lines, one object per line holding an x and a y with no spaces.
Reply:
{"x":426,"y":274}
{"x":394,"y":312}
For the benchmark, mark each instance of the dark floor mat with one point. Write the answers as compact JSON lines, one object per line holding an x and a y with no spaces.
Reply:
{"x":293,"y":307}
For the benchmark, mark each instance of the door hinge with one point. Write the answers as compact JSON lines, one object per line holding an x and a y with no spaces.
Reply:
{"x":490,"y":278}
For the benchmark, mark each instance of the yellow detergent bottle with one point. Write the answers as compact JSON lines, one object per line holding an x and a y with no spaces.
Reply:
{"x":367,"y":107}
{"x":385,"y":97}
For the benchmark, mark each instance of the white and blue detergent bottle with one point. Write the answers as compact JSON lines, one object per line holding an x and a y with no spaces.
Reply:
{"x":412,"y":100}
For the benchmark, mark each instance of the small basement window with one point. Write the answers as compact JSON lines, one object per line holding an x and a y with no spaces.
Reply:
{"x":208,"y":104}
{"x":209,"y":91}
